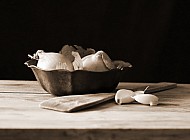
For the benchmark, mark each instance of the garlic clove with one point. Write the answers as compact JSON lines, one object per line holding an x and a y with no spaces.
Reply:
{"x":146,"y":99}
{"x":124,"y":96}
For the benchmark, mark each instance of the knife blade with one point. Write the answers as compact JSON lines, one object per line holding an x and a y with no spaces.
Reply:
{"x":75,"y":103}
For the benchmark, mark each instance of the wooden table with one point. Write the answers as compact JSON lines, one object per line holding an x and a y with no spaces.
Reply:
{"x":22,"y":118}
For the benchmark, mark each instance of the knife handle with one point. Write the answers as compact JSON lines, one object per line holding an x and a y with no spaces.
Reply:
{"x":157,"y":87}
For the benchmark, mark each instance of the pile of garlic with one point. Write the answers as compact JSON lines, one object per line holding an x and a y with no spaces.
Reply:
{"x":76,"y":58}
{"x":124,"y":96}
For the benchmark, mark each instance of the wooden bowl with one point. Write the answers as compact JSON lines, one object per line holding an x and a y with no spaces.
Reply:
{"x":61,"y":82}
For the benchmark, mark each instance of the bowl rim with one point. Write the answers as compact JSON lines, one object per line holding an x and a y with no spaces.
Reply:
{"x":34,"y":66}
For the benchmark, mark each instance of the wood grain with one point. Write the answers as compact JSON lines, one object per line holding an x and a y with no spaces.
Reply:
{"x":22,"y":118}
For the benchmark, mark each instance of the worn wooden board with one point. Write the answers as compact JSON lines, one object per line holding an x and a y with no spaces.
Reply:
{"x":20,"y":86}
{"x":75,"y":103}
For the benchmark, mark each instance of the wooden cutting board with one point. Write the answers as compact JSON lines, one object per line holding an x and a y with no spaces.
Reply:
{"x":75,"y":103}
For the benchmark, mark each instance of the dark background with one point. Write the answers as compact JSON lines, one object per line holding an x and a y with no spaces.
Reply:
{"x":153,"y":35}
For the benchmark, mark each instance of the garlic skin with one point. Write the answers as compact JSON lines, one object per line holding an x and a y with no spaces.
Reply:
{"x":121,"y":64}
{"x":50,"y":60}
{"x":77,"y":63}
{"x":97,"y":62}
{"x":124,"y":96}
{"x":147,"y":99}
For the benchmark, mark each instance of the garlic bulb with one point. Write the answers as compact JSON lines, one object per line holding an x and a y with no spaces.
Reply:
{"x":146,"y":99}
{"x":99,"y":62}
{"x":51,"y":60}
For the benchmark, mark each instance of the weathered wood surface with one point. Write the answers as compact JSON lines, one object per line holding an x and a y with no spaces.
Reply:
{"x":22,"y":118}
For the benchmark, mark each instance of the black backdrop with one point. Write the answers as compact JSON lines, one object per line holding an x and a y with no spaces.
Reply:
{"x":152,"y":35}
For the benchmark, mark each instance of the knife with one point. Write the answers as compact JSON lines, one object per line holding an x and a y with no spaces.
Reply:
{"x":75,"y":103}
